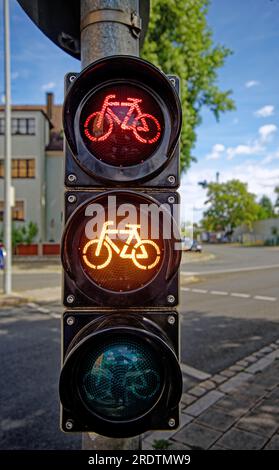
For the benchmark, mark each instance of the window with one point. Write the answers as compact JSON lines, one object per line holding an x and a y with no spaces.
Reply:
{"x":21,"y":168}
{"x":17,"y":211}
{"x":20,"y":126}
{"x":23,"y":126}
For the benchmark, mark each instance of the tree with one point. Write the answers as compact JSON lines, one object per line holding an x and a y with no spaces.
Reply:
{"x":180,"y":42}
{"x":266,"y":208}
{"x":230,"y":205}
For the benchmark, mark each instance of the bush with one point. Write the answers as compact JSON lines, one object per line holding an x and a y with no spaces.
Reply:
{"x":24,"y":234}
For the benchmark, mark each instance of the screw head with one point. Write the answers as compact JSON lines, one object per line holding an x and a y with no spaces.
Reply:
{"x":171,"y":422}
{"x":171,"y":199}
{"x":171,"y":319}
{"x":171,"y":299}
{"x":70,"y":321}
{"x":72,"y":198}
{"x":72,"y":178}
{"x":171,"y":179}
{"x":72,"y":78}
{"x":69,"y":425}
{"x":70,"y":299}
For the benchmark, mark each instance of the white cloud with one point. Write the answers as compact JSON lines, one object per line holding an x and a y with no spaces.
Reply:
{"x":266,"y":111}
{"x":260,"y":181}
{"x":266,"y":132}
{"x":252,"y":83}
{"x":253,"y":149}
{"x":48,"y":86}
{"x":270,"y":157}
{"x":216,"y":152}
{"x":3,"y":98}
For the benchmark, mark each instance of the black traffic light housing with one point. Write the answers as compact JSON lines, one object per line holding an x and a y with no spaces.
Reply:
{"x":120,"y":366}
{"x":116,"y":400}
{"x":83,"y":169}
{"x":84,"y":287}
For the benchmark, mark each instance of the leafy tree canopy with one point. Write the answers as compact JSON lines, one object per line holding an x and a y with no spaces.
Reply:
{"x":230,"y":205}
{"x":180,"y":42}
{"x":266,"y":208}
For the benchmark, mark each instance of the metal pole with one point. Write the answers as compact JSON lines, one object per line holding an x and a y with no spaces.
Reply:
{"x":7,"y":176}
{"x":98,"y":40}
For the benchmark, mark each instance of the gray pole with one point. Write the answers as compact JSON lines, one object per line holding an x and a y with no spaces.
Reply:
{"x":101,"y":39}
{"x":7,"y":177}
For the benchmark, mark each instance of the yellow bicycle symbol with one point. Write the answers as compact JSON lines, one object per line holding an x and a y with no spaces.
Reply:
{"x":137,"y":253}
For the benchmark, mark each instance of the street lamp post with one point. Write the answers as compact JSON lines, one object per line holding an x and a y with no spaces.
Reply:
{"x":7,"y":177}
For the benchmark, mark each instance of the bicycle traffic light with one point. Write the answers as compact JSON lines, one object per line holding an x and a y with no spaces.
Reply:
{"x":122,"y":119}
{"x":120,"y":249}
{"x":120,"y":375}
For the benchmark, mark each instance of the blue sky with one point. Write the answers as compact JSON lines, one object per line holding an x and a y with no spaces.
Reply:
{"x":244,"y":144}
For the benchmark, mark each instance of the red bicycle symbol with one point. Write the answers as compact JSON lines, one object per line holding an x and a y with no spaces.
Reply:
{"x":99,"y":125}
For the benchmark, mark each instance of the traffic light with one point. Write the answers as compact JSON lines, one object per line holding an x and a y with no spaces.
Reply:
{"x":120,"y":249}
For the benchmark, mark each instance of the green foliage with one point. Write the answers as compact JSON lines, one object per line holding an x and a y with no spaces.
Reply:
{"x":23,"y":234}
{"x":230,"y":205}
{"x":161,"y":444}
{"x":180,"y":42}
{"x":266,"y":210}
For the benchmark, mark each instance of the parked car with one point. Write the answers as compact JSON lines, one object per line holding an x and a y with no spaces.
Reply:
{"x":191,"y":245}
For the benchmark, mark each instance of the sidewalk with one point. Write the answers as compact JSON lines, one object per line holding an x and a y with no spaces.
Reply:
{"x":237,"y":409}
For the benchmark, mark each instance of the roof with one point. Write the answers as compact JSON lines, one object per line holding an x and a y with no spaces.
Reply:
{"x":56,"y":126}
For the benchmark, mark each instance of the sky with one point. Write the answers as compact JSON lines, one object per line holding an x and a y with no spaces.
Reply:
{"x":244,"y":144}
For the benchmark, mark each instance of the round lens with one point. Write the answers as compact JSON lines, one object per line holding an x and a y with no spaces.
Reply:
{"x":121,"y":125}
{"x":120,"y":379}
{"x":123,"y":255}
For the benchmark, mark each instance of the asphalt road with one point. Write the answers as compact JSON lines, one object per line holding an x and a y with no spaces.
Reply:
{"x":224,"y":317}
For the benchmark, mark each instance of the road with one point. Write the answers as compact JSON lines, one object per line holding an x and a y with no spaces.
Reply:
{"x":224,"y":317}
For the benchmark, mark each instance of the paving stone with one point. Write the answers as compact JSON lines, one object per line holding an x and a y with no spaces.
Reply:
{"x":235,"y":382}
{"x":218,"y":379}
{"x":266,"y":349}
{"x":216,"y":447}
{"x":197,"y":436}
{"x":269,"y":405}
{"x":253,"y":390}
{"x":216,"y":419}
{"x":178,"y":446}
{"x":236,"y":405}
{"x":273,"y":444}
{"x":227,"y":373}
{"x":236,"y":439}
{"x":166,"y":435}
{"x":208,"y":384}
{"x":242,"y":363}
{"x":269,"y":381}
{"x":187,"y":399}
{"x":260,"y":365}
{"x":197,"y":391}
{"x":203,"y":403}
{"x":250,"y":359}
{"x":259,"y":422}
{"x":236,"y":368}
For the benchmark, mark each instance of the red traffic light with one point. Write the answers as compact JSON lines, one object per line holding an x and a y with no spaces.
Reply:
{"x":122,"y":119}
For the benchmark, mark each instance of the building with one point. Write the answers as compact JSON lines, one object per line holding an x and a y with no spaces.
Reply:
{"x":37,"y":167}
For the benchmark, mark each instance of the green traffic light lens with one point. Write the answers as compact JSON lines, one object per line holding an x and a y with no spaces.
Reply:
{"x":120,"y":379}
